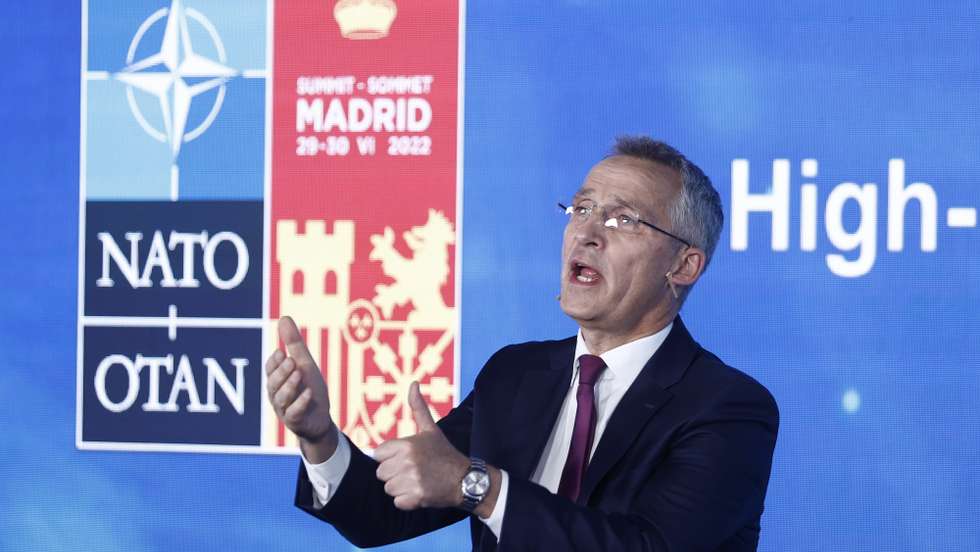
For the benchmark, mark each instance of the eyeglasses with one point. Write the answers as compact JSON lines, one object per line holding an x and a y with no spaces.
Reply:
{"x":617,"y":217}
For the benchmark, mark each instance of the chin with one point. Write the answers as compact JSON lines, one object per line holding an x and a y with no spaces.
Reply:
{"x":578,"y":312}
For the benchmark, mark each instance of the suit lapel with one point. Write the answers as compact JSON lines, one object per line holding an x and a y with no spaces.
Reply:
{"x":645,"y":397}
{"x":537,"y":403}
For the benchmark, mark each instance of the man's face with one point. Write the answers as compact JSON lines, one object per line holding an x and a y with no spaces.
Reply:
{"x":612,"y":281}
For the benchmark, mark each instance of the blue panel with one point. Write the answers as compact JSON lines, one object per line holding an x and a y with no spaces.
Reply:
{"x":220,"y":241}
{"x":133,"y":151}
{"x":139,"y":387}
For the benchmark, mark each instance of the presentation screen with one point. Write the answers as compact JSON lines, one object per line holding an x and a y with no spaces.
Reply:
{"x":179,"y":174}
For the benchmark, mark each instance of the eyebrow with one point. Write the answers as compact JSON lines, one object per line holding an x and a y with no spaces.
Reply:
{"x":625,"y":203}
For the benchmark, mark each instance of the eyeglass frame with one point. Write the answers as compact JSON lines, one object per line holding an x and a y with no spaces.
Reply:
{"x":568,"y":210}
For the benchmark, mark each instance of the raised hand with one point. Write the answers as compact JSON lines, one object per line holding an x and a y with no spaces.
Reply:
{"x":299,"y":395}
{"x":424,"y":470}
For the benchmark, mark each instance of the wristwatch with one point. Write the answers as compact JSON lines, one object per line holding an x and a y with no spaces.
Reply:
{"x":475,"y":484}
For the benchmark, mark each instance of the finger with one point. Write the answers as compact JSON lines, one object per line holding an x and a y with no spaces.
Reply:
{"x":388,"y":450}
{"x":398,"y":486}
{"x":279,"y":376}
{"x":290,"y":389}
{"x":420,"y":410}
{"x":385,"y":471}
{"x":391,"y":468}
{"x":383,"y":452}
{"x":275,"y":358}
{"x":294,"y":412}
{"x":406,"y":502}
{"x":290,"y":335}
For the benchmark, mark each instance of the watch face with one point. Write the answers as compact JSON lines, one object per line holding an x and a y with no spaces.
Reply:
{"x":476,"y":483}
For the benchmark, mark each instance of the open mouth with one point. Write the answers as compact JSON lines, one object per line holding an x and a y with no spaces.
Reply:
{"x":584,"y":274}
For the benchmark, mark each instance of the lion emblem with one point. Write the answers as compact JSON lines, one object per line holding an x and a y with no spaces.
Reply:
{"x":418,"y":279}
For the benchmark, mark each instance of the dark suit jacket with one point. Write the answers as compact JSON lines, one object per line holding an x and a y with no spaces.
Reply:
{"x":682,"y":465}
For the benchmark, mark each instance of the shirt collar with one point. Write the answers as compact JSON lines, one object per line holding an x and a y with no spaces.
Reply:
{"x":628,"y":359}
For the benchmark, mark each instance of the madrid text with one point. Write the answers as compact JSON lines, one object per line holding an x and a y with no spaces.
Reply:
{"x":394,"y":108}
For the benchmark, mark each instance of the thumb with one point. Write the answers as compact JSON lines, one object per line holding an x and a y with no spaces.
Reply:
{"x":420,"y":410}
{"x":289,"y":334}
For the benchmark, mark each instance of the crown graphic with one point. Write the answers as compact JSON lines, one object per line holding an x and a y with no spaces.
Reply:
{"x":365,"y":19}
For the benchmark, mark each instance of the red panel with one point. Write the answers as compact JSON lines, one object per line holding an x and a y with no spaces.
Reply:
{"x":410,"y":181}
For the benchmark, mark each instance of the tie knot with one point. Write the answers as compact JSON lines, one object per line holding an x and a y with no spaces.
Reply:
{"x":589,"y":368}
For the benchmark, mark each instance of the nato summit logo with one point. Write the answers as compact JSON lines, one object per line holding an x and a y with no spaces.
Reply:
{"x":171,"y":251}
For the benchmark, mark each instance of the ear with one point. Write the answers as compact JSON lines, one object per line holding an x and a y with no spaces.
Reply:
{"x":689,"y":267}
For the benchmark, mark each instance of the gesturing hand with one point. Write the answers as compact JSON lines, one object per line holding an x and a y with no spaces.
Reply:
{"x":299,"y":395}
{"x":424,"y":470}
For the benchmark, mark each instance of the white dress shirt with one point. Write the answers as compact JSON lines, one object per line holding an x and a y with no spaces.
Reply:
{"x":623,"y":363}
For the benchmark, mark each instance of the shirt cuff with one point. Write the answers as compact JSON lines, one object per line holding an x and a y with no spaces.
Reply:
{"x":496,"y":520}
{"x":326,"y":476}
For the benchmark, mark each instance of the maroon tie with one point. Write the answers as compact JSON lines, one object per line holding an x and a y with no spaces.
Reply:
{"x":589,"y":368}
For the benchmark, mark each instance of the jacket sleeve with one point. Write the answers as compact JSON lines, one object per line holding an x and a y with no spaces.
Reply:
{"x":364,"y":514}
{"x":711,"y":482}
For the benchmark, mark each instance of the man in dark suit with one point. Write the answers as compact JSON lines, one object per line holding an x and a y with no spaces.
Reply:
{"x":629,"y":436}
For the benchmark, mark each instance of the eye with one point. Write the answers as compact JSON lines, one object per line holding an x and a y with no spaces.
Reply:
{"x":624,"y":217}
{"x":582,"y":209}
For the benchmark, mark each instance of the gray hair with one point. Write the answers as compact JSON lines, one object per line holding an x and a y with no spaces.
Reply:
{"x":696,"y":215}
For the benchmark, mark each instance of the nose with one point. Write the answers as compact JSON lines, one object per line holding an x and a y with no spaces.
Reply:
{"x":591,"y":232}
